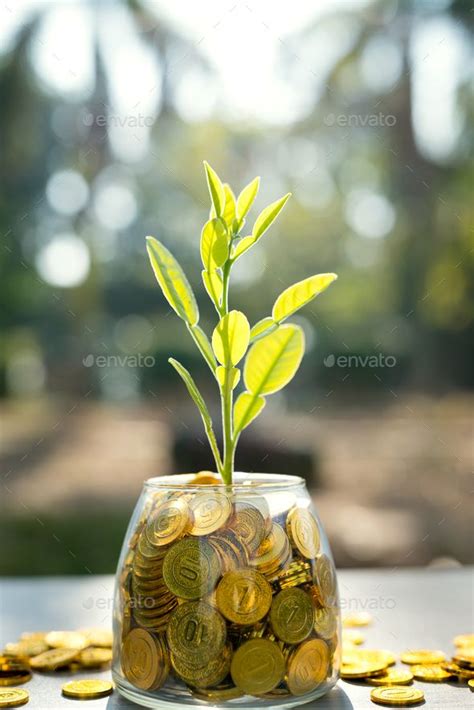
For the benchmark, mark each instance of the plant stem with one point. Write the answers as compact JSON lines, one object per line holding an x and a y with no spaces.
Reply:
{"x":227,"y":393}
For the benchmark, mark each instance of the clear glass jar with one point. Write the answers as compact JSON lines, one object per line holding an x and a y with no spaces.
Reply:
{"x":225,"y":595}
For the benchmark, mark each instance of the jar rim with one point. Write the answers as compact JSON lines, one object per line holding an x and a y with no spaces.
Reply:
{"x":241,"y":481}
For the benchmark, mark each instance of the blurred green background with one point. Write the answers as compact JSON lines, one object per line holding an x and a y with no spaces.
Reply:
{"x":364,"y":111}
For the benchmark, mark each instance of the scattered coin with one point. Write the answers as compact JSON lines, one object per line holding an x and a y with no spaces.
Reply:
{"x":431,"y":673}
{"x":352,"y":636}
{"x":422,"y":656}
{"x":465,"y":657}
{"x":464,"y":640}
{"x":394,"y":695}
{"x":94,"y":657}
{"x":471,"y":683}
{"x":13,"y":697}
{"x":86,"y":689}
{"x":357,"y":618}
{"x":53,"y":659}
{"x":15,"y":678}
{"x":391,"y":676}
{"x":362,"y":669}
{"x":455,"y":670}
{"x":66,"y":639}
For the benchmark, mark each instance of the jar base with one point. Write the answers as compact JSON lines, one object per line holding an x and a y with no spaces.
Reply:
{"x":173,"y":701}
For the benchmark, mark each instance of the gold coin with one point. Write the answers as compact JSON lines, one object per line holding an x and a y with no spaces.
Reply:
{"x":33,"y":635}
{"x":352,"y":636}
{"x":26,"y":648}
{"x":394,"y":695}
{"x":196,"y":632}
{"x":292,"y":615}
{"x":231,"y":552}
{"x":205,"y":478}
{"x":303,"y":532}
{"x":144,"y":660}
{"x":13,"y":697}
{"x":297,"y":573}
{"x":391,"y":676}
{"x":421,"y":656}
{"x":308,"y":666}
{"x":361,"y":669}
{"x":87,"y":689}
{"x":92,"y":657}
{"x":9,"y":663}
{"x":204,"y":675}
{"x":471,"y":683}
{"x":257,"y":666}
{"x":369,"y":656}
{"x":15,"y":678}
{"x":325,"y":621}
{"x":357,"y":618}
{"x":210,"y":510}
{"x":53,"y":659}
{"x":66,"y":639}
{"x":459,"y":671}
{"x":464,"y":657}
{"x":249,"y":523}
{"x":325,"y":574}
{"x":244,"y":596}
{"x":169,"y":521}
{"x":273,"y":552}
{"x":464,"y":640}
{"x":98,"y":637}
{"x":219,"y":693}
{"x":431,"y":673}
{"x":191,"y":568}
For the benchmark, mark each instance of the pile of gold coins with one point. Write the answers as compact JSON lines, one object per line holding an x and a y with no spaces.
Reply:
{"x":220,"y":599}
{"x":70,"y":651}
{"x":394,"y":685}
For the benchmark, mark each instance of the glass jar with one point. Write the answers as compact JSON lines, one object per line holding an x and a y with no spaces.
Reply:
{"x":225,"y":595}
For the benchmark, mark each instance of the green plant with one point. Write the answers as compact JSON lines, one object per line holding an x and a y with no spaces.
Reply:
{"x":273,"y":349}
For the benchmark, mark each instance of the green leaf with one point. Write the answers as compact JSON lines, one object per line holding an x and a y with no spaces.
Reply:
{"x":230,"y":338}
{"x":246,"y":198}
{"x":173,"y":282}
{"x":216,"y":189}
{"x":267,"y":216}
{"x":273,"y":360}
{"x":295,"y":297}
{"x":221,"y":375}
{"x":242,"y":246}
{"x":229,"y":210}
{"x":205,"y":345}
{"x":262,"y":327}
{"x":214,"y":246}
{"x":213,"y":283}
{"x":246,"y":408}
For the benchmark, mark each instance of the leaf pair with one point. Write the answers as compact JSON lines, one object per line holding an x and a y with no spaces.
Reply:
{"x":291,"y":300}
{"x":262,"y":223}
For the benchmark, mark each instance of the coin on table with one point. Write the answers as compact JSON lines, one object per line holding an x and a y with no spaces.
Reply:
{"x":292,"y":615}
{"x":464,"y":640}
{"x":244,"y":596}
{"x":86,"y":689}
{"x":303,"y":532}
{"x":144,"y":659}
{"x":325,"y":621}
{"x":92,"y":657}
{"x":169,"y":521}
{"x":459,"y":671}
{"x":394,"y":695}
{"x":325,"y":576}
{"x":357,"y":618}
{"x":369,"y":655}
{"x":15,"y":678}
{"x":464,"y":657}
{"x":191,"y":568}
{"x":352,"y":636}
{"x":431,"y":673}
{"x":210,"y":510}
{"x":13,"y":697}
{"x":26,"y":648}
{"x":249,"y":523}
{"x":420,"y":656}
{"x":98,"y":637}
{"x":308,"y":666}
{"x":471,"y":683}
{"x":257,"y":666}
{"x":196,"y":632}
{"x":66,"y":639}
{"x":53,"y":659}
{"x":362,"y":669}
{"x":391,"y":676}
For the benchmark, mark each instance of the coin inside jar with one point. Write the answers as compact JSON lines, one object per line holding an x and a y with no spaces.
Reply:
{"x":249,"y":524}
{"x":292,"y":615}
{"x":191,"y":568}
{"x":144,"y":660}
{"x":258,"y":666}
{"x":308,"y":666}
{"x":326,"y":579}
{"x":196,"y":632}
{"x":244,"y":596}
{"x":303,"y":532}
{"x":169,"y":521}
{"x":210,"y":510}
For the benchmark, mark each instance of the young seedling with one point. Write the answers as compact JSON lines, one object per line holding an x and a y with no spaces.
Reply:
{"x":272,"y":348}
